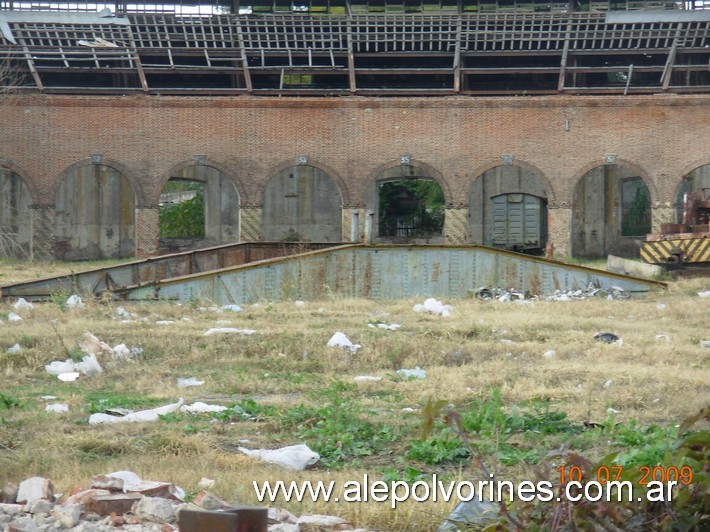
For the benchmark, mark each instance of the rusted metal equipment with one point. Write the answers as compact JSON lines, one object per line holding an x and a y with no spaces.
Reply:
{"x":387,"y":272}
{"x":135,"y":274}
{"x":237,"y":519}
{"x":684,"y":244}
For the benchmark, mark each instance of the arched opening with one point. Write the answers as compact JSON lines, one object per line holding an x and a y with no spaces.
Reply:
{"x":410,"y":210}
{"x":611,"y":213}
{"x":95,"y":215}
{"x":302,"y":204}
{"x":507,"y":208}
{"x":199,"y":207}
{"x":696,"y":181}
{"x":15,"y":216}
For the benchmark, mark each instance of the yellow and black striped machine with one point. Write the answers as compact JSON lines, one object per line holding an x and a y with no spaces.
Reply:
{"x":687,"y":243}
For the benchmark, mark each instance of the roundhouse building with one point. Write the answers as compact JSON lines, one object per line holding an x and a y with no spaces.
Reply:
{"x":131,"y":129}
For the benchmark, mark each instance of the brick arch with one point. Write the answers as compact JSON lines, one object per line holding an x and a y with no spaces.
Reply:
{"x":549,"y":189}
{"x":275,"y":170}
{"x":24,"y":175}
{"x":425,"y":169}
{"x":642,"y":173}
{"x":227,"y":170}
{"x":120,"y":167}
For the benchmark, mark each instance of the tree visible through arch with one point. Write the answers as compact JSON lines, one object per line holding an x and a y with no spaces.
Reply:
{"x":411,"y":208}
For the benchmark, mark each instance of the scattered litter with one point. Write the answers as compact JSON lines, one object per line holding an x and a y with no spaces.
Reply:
{"x":232,"y":308}
{"x":661,"y":306}
{"x":48,"y":397}
{"x":13,"y":317}
{"x":200,"y":407}
{"x":608,"y":383}
{"x":593,"y":290}
{"x":14,"y":349}
{"x":506,"y":341}
{"x":380,"y":325}
{"x":367,"y":378}
{"x":164,"y":322}
{"x":663,"y":337}
{"x":408,"y":409}
{"x":705,"y":295}
{"x":23,"y":304}
{"x":190,"y":381}
{"x":205,"y":483}
{"x":297,"y":457}
{"x":434,"y":306}
{"x":56,"y":407}
{"x":705,"y":344}
{"x":74,"y":301}
{"x":142,"y":415}
{"x":300,"y":303}
{"x":65,"y":370}
{"x":550,"y":354}
{"x":608,"y":338}
{"x":216,"y":330}
{"x":611,"y":410}
{"x":340,"y":340}
{"x":416,"y":373}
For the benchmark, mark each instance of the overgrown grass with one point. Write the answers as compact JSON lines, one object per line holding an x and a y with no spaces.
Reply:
{"x":283,"y":386}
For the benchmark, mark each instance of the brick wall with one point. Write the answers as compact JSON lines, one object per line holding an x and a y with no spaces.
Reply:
{"x":251,"y":138}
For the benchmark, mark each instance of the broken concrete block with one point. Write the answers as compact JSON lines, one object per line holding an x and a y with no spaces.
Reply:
{"x":155,"y":509}
{"x":208,"y":501}
{"x":39,"y":506}
{"x":35,"y":488}
{"x":119,"y":503}
{"x":22,"y":523}
{"x":279,"y":515}
{"x":10,"y":509}
{"x":284,"y":527}
{"x":107,"y":483}
{"x":67,"y":515}
{"x":9,"y":493}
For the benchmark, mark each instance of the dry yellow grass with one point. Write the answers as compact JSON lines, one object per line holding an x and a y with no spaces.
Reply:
{"x":648,"y":379}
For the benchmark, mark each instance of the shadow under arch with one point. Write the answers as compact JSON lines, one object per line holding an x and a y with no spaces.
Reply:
{"x":408,"y":202}
{"x":611,"y":209}
{"x":95,"y":207}
{"x":507,"y":207}
{"x":15,"y":212}
{"x":199,"y":207}
{"x":302,"y":203}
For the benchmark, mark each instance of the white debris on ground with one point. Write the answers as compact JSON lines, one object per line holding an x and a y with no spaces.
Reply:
{"x":13,"y":317}
{"x":516,"y":296}
{"x":164,"y":322}
{"x":704,"y":295}
{"x":142,"y":415}
{"x":189,"y":381}
{"x":550,"y":354}
{"x":663,"y":337}
{"x":74,"y":301}
{"x":380,"y":325}
{"x":416,"y":373}
{"x":65,"y":370}
{"x":123,"y":313}
{"x":56,"y":407}
{"x":296,"y":457}
{"x":366,"y":378}
{"x":434,"y":306}
{"x":200,"y":408}
{"x":339,"y":339}
{"x":232,"y":308}
{"x":14,"y":349}
{"x":23,"y":304}
{"x":228,"y":330}
{"x":91,"y":345}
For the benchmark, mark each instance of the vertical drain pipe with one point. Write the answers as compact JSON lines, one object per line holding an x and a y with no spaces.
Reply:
{"x":355,"y":226}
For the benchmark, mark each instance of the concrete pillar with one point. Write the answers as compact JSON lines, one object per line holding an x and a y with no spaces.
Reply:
{"x":42,"y":244}
{"x":558,"y":229}
{"x":354,"y":225}
{"x":250,"y":224}
{"x":147,"y":232}
{"x":455,"y":222}
{"x":369,"y":227}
